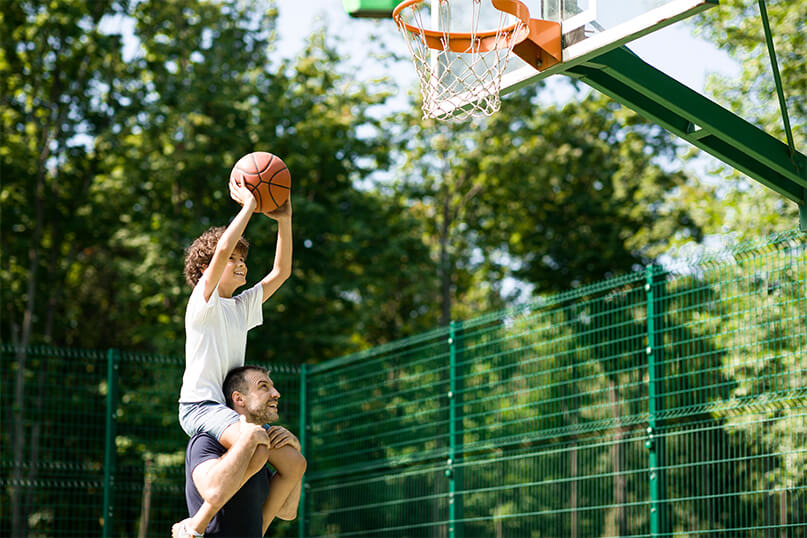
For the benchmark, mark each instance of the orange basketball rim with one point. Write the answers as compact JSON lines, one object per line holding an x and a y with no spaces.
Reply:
{"x":535,"y":41}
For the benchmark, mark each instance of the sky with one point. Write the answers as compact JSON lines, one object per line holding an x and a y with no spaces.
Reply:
{"x":673,"y":50}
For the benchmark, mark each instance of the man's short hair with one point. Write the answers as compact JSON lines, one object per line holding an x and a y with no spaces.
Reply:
{"x":236,"y":380}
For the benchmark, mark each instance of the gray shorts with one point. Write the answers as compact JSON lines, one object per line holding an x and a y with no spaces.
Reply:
{"x":208,"y":417}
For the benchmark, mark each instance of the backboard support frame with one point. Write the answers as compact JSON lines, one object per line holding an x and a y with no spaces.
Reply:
{"x":602,"y":61}
{"x":592,"y":47}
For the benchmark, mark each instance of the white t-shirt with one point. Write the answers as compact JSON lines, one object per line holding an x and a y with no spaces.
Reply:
{"x":216,"y":339}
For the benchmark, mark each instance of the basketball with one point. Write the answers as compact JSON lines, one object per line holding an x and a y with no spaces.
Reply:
{"x":267,"y":176}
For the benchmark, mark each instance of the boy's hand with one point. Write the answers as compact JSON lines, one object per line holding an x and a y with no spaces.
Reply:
{"x":254,"y":432}
{"x":241,"y":193}
{"x":281,"y":213}
{"x":280,"y":437}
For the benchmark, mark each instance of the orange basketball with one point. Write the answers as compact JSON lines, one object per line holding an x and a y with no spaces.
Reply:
{"x":267,"y":176}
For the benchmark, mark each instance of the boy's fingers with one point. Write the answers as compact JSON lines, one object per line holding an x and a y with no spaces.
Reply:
{"x":276,"y":435}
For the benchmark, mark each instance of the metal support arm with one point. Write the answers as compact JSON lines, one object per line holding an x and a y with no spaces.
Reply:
{"x":626,"y":78}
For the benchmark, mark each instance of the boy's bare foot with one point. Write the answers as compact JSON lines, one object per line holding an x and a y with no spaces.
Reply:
{"x":182,"y":530}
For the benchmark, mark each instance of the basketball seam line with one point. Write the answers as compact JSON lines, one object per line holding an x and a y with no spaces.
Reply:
{"x":276,"y":173}
{"x":272,"y":196}
{"x":271,"y":158}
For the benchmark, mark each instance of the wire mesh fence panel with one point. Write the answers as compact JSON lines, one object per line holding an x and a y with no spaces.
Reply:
{"x":664,"y":403}
{"x":60,"y":479}
{"x":734,"y":386}
{"x":553,"y":405}
{"x":657,"y":404}
{"x":378,"y":431}
{"x":53,"y":413}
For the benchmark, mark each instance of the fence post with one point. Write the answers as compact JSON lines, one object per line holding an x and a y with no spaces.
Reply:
{"x":109,"y":448}
{"x":454,"y":472}
{"x":654,"y":286}
{"x":301,"y":526}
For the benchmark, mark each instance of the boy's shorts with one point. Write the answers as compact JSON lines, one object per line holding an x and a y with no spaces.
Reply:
{"x":207,"y":416}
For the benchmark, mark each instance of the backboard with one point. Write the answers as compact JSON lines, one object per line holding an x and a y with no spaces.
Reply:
{"x":592,"y":27}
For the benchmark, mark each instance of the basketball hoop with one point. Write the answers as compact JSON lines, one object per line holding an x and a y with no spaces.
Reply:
{"x":460,"y":73}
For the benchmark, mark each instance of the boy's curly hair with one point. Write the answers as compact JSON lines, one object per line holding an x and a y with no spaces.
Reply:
{"x":199,"y":254}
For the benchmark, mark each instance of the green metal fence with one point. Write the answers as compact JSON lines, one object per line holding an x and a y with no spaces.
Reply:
{"x":670,"y":402}
{"x":100,"y":441}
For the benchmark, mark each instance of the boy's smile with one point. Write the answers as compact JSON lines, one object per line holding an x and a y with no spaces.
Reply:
{"x":234,"y":275}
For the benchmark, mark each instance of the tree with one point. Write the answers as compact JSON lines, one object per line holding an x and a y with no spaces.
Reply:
{"x":438,"y":178}
{"x":112,"y":165}
{"x":747,"y":208}
{"x":574,"y":194}
{"x":554,"y":196}
{"x":54,"y":64}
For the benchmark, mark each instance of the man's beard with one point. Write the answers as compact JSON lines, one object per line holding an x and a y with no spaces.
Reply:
{"x":263,"y":415}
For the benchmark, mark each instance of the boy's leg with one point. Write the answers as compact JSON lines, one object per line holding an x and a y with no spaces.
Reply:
{"x":202,"y":518}
{"x":290,"y":466}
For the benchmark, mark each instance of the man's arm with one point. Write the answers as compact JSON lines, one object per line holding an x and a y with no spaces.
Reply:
{"x":280,"y":437}
{"x":217,"y":480}
{"x":283,"y":251}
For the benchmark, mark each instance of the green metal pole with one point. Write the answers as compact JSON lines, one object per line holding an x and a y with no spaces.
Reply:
{"x":763,"y":11}
{"x":109,"y":449}
{"x":452,"y":432}
{"x":654,"y":442}
{"x":301,"y":527}
{"x":454,"y":472}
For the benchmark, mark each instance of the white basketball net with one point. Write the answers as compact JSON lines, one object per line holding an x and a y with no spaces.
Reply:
{"x":457,"y":85}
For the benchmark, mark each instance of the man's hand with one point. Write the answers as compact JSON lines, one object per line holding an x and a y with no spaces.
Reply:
{"x":281,"y":213}
{"x":254,"y":433}
{"x":280,"y":437}
{"x":241,"y":193}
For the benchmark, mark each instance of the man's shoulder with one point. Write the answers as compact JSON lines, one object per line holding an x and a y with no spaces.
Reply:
{"x":204,"y":446}
{"x":203,"y":438}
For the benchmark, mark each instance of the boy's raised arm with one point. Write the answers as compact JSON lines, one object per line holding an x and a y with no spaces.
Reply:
{"x":229,"y":239}
{"x":283,"y":251}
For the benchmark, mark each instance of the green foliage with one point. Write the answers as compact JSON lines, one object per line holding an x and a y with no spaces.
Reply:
{"x":109,"y":213}
{"x":556,"y":196}
{"x":735,"y":26}
{"x":552,"y":403}
{"x":113,"y":164}
{"x":576,"y":192}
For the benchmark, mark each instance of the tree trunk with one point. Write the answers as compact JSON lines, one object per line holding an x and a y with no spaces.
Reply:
{"x":145,"y":500}
{"x":445,"y":268}
{"x":19,"y":524}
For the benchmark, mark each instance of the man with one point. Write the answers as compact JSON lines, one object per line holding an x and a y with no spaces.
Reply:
{"x":212,"y":473}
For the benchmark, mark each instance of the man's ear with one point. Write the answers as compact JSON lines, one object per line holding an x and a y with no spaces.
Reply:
{"x":238,"y":399}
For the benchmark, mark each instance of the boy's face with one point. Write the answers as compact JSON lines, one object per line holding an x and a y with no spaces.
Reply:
{"x":235,"y":273}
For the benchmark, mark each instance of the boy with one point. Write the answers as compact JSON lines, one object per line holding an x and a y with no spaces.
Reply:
{"x":216,"y":325}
